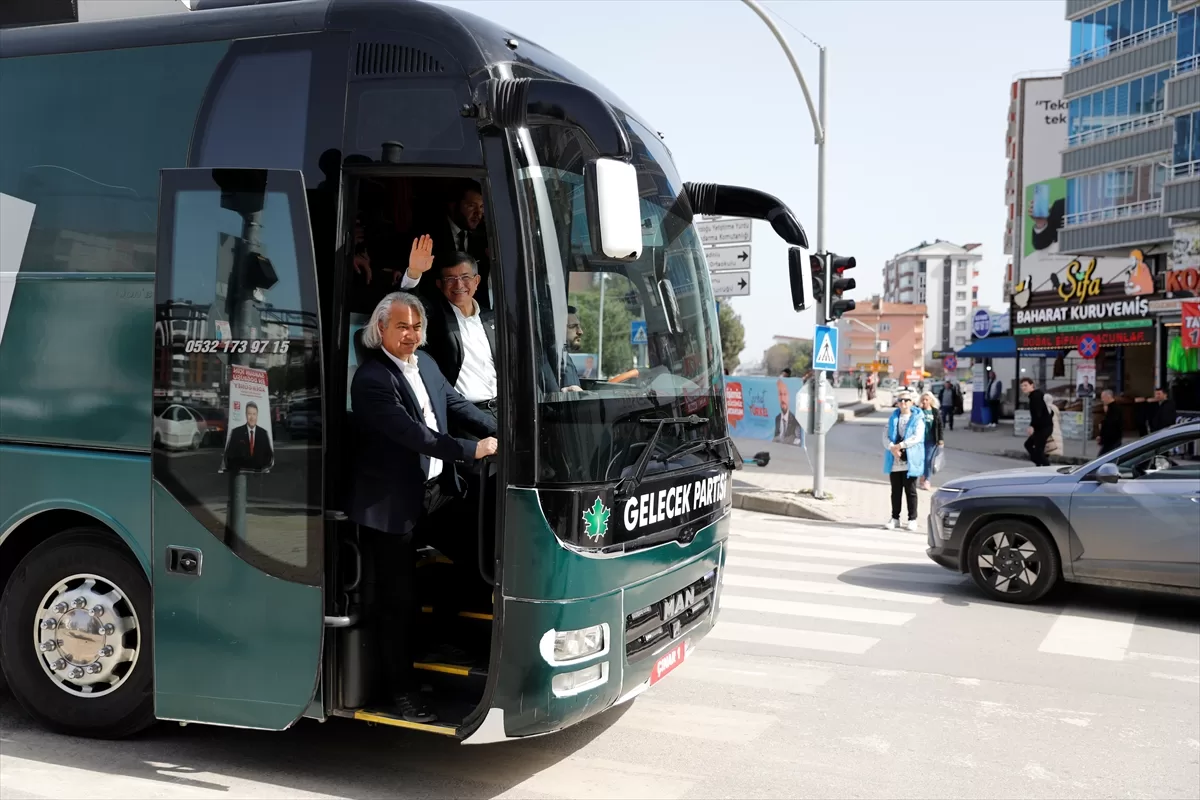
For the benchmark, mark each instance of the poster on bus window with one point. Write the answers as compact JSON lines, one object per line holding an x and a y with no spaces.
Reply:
{"x":248,"y":445}
{"x":761,"y":407}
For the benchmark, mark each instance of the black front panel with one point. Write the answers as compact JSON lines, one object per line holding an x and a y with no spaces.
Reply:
{"x":669,"y":618}
{"x":670,"y":507}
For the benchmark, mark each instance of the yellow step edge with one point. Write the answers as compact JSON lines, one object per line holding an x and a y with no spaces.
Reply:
{"x":467,"y":614}
{"x":449,"y":669}
{"x":388,"y":719}
{"x":424,"y":562}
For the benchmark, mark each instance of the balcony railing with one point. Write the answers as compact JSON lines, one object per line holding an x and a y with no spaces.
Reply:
{"x":1133,"y":124}
{"x":1144,"y":208}
{"x":1133,"y":40}
{"x":1186,"y":65}
{"x":1189,"y":170}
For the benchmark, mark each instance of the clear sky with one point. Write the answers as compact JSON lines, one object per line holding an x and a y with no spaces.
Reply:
{"x":918,"y":97}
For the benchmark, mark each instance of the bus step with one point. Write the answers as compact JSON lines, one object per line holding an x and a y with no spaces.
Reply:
{"x":486,"y":616}
{"x":387,"y":718}
{"x":477,"y":673}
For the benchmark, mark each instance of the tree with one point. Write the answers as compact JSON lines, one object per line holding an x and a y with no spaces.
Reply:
{"x":733,"y":337}
{"x":618,"y":350}
{"x":797,"y":355}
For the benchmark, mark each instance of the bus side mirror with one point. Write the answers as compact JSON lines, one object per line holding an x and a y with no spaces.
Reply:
{"x":614,"y":208}
{"x":801,"y":276}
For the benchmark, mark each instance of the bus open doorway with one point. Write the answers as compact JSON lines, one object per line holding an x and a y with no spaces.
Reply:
{"x":454,"y":570}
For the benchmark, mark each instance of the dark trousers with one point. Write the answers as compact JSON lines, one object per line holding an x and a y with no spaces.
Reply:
{"x":948,"y":417}
{"x":390,"y":565}
{"x":1035,"y":445}
{"x":994,"y":406}
{"x":902,"y":483}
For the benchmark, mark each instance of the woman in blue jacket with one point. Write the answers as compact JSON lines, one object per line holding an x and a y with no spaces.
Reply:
{"x":904,"y":457}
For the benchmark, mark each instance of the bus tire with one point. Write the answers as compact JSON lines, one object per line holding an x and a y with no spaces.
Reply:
{"x":98,"y":683}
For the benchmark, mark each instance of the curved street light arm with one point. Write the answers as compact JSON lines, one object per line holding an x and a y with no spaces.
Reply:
{"x":818,"y":129}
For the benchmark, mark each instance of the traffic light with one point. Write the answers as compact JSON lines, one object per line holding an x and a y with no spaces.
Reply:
{"x":816,"y":263}
{"x":835,"y":285}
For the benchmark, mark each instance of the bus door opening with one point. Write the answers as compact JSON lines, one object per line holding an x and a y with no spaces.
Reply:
{"x":394,"y":224}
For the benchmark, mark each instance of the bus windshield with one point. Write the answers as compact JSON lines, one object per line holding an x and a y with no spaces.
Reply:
{"x":621,"y":345}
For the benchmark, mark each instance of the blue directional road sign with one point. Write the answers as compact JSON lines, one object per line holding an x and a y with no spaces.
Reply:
{"x":981,"y":323}
{"x":825,"y":348}
{"x":637,"y":331}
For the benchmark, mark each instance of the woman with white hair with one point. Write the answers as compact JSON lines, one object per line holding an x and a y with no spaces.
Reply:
{"x":933,"y":435}
{"x":904,"y":459}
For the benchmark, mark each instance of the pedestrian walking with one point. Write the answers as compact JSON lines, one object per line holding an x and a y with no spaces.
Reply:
{"x":1112,"y":429}
{"x":1041,"y":423}
{"x":951,"y":404}
{"x":861,"y":387}
{"x":995,"y":397}
{"x":933,"y":436}
{"x":904,"y":457}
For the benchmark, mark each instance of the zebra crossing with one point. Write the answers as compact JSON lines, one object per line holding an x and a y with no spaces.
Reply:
{"x":797,"y":590}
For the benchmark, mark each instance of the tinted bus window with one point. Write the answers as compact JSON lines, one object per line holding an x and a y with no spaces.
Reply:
{"x":83,"y":136}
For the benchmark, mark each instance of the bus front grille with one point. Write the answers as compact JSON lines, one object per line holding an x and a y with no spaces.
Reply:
{"x":669,"y":618}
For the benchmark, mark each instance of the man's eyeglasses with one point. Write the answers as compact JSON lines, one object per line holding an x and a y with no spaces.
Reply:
{"x":457,"y":278}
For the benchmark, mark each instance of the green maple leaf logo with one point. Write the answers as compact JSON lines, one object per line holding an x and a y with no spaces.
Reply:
{"x":596,"y":519}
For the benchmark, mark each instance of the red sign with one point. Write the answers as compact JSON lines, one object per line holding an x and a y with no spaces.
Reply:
{"x":1190,"y":332}
{"x":733,"y":403}
{"x":668,"y":662}
{"x":1070,"y":341}
{"x":1178,"y":281}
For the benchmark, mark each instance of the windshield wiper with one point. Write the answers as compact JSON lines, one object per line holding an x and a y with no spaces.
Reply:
{"x":628,"y":485}
{"x":712,"y":446}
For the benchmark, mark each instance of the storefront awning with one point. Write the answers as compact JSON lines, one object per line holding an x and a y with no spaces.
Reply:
{"x":1000,"y":347}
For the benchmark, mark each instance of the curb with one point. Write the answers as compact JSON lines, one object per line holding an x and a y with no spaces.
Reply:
{"x":856,"y":410}
{"x":779,"y":504}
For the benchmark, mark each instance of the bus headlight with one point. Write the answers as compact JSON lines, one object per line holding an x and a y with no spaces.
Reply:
{"x":566,"y":647}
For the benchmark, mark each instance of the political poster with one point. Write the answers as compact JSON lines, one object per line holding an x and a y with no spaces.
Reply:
{"x":587,"y":364}
{"x":248,"y":444}
{"x":771,"y":409}
{"x":1085,"y":380}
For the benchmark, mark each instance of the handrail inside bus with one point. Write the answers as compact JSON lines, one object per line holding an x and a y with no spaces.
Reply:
{"x":717,"y":199}
{"x":530,"y":102}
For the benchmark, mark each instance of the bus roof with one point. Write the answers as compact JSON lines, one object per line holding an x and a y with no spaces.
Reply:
{"x":476,"y":43}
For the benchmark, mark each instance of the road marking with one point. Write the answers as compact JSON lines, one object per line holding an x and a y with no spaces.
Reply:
{"x":697,"y":722}
{"x":817,"y":587}
{"x":801,"y":538}
{"x":1158,"y":657}
{"x":809,"y":552}
{"x":933,"y":574}
{"x":1181,"y":678}
{"x":791,"y":637}
{"x":763,"y":605}
{"x":710,"y":667}
{"x":1090,"y":637}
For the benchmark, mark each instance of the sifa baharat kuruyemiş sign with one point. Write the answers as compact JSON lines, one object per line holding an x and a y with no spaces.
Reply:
{"x":1078,"y":303}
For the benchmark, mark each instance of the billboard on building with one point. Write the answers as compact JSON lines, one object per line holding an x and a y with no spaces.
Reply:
{"x":1040,"y":268}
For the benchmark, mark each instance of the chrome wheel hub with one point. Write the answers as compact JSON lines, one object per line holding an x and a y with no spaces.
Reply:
{"x":86,"y":635}
{"x":1010,"y":562}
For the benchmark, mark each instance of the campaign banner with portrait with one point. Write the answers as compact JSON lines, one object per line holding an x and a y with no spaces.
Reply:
{"x":771,"y":409}
{"x":248,"y":444}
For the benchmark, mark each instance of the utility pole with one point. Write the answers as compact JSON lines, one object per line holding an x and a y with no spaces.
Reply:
{"x":817,"y":387}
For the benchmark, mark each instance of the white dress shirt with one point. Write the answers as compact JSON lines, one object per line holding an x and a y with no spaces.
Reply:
{"x":413,"y":375}
{"x":477,"y":376}
{"x":407,"y":282}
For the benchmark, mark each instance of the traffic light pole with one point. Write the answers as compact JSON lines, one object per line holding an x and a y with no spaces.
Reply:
{"x":817,"y":387}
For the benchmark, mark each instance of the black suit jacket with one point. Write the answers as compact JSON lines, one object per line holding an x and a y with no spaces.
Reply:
{"x":393,"y":445}
{"x":445,"y":342}
{"x":444,"y":248}
{"x":553,"y":380}
{"x":237,"y":450}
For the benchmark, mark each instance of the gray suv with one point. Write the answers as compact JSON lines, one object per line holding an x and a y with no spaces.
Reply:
{"x":1129,"y":518}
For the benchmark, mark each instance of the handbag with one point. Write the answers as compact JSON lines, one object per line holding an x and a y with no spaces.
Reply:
{"x":939,"y":460}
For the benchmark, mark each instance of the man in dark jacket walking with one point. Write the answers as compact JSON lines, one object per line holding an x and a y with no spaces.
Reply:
{"x":1041,"y":423}
{"x":1112,"y":429}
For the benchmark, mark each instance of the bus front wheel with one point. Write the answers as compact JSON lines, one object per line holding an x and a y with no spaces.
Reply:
{"x":75,"y":636}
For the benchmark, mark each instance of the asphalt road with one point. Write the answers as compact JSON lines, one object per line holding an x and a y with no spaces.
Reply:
{"x":845,"y":664}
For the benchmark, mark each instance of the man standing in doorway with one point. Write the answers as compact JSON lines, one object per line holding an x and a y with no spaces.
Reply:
{"x":1041,"y":423}
{"x":995,"y":397}
{"x":1112,"y":429}
{"x":462,"y":230}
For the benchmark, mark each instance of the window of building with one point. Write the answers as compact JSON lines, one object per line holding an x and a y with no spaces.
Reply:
{"x":1118,"y":26}
{"x":1187,"y":143}
{"x":960,"y":311}
{"x":960,"y":296}
{"x":885,"y":327}
{"x":1187,"y":47}
{"x":1116,"y":108}
{"x":95,"y":186}
{"x":961,"y":325}
{"x":1095,"y":197}
{"x":959,"y":341}
{"x":921,"y":266}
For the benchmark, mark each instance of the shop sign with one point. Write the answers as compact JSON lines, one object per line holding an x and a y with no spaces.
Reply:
{"x":1184,"y":281}
{"x":1113,"y":312}
{"x":1190,"y":330}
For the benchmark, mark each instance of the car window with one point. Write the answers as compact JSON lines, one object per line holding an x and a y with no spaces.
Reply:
{"x":1177,"y":458}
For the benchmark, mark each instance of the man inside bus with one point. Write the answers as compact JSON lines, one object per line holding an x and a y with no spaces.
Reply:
{"x":461,"y":230}
{"x":462,"y":336}
{"x":565,"y":378}
{"x":404,"y":471}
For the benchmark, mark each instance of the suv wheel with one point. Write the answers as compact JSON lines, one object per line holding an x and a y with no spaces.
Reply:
{"x":1013,"y":561}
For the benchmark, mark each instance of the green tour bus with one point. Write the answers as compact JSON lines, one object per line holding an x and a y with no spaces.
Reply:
{"x":199,"y":211}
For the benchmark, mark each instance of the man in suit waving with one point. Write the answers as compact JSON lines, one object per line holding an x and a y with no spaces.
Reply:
{"x":405,"y":468}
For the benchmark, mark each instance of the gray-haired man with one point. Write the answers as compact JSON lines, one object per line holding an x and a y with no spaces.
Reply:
{"x":404,"y":466}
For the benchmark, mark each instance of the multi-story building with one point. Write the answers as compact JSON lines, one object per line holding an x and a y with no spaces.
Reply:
{"x":941,"y":277}
{"x":877,"y":332}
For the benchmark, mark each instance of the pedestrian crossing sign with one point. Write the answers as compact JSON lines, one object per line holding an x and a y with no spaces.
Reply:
{"x":825,"y":348}
{"x":637,"y":331}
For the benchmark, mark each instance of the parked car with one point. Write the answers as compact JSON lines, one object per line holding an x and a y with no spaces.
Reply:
{"x":1128,"y":518}
{"x":179,"y":427}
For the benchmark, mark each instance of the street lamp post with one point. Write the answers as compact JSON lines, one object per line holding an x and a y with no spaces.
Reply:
{"x":817,"y":387}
